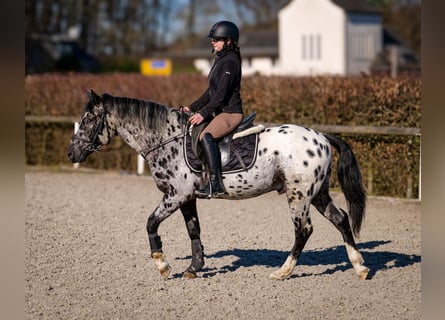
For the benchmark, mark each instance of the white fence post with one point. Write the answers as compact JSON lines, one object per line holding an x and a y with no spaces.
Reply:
{"x":141,"y":163}
{"x":420,"y":171}
{"x":76,"y":127}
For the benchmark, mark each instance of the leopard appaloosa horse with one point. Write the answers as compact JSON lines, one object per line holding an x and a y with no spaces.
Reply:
{"x":292,"y":160}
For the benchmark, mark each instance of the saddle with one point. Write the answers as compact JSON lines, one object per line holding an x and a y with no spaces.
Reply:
{"x":239,"y":144}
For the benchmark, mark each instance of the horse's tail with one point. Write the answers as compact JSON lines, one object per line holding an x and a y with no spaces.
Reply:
{"x":350,"y":179}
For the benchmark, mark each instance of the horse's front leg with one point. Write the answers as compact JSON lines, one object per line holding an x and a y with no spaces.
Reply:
{"x":154,"y":220}
{"x":190,"y":214}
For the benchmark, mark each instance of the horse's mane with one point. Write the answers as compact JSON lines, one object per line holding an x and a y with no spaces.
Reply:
{"x":148,"y":114}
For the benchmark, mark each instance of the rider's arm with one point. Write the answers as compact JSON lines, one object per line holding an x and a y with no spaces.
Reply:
{"x":223,"y":90}
{"x":201,"y":101}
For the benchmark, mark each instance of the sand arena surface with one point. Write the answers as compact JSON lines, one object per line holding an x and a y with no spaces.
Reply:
{"x":87,"y":256}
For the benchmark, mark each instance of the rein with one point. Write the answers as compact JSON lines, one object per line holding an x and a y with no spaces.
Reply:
{"x":163,"y":143}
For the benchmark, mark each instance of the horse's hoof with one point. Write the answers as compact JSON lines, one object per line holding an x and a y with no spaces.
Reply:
{"x":162,"y":264}
{"x":286,"y":269}
{"x":278,"y":275}
{"x":189,"y":275}
{"x":363,"y":273}
{"x":165,"y":272}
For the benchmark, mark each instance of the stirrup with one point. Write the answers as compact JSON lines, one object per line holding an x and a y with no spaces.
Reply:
{"x":202,"y":195}
{"x":207,"y":192}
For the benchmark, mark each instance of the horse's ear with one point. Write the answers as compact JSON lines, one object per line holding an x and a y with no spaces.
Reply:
{"x":93,"y":97}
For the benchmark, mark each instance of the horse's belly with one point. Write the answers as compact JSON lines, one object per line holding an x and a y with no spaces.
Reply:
{"x":248,"y":184}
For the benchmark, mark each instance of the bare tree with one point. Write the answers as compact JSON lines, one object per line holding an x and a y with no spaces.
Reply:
{"x":32,"y":24}
{"x":191,"y":24}
{"x":260,"y":13}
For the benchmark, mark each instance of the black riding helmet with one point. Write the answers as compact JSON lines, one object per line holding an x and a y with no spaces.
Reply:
{"x":225,"y":29}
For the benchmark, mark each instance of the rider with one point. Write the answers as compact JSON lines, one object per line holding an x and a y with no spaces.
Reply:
{"x":220,"y":103}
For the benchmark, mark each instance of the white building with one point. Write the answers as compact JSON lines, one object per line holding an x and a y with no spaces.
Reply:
{"x":315,"y":37}
{"x":328,"y":37}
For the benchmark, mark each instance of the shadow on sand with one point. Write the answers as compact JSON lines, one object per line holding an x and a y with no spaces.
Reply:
{"x":375,"y":260}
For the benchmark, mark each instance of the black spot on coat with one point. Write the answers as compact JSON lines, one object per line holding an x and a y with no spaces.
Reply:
{"x":310,"y":153}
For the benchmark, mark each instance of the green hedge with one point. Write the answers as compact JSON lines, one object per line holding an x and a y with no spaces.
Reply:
{"x":390,"y":164}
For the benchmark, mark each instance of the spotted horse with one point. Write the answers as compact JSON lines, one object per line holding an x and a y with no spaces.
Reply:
{"x":290,"y":159}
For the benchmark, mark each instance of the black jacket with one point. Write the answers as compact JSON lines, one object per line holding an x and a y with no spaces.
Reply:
{"x":223,"y":93}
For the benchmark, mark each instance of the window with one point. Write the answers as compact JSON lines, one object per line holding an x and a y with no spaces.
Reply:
{"x":303,"y":47}
{"x":311,"y":47}
{"x":362,"y":46}
{"x":318,"y":47}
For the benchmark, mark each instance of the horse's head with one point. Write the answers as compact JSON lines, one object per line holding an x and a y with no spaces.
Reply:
{"x":92,"y":132}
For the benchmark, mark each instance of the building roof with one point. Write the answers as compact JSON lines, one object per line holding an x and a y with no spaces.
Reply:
{"x":357,"y":6}
{"x":252,"y":43}
{"x":260,"y":42}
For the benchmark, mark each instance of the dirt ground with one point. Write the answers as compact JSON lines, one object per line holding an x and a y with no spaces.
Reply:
{"x":87,"y":256}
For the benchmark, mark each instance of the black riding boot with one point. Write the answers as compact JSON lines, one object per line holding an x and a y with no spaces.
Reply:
{"x":215,"y":185}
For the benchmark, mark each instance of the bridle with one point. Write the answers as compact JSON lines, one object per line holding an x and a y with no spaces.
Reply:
{"x":91,"y":145}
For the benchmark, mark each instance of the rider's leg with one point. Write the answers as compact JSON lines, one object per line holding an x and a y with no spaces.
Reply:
{"x":211,"y":152}
{"x":220,"y":126}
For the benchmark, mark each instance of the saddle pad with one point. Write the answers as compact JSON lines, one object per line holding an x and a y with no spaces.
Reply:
{"x":245,"y":146}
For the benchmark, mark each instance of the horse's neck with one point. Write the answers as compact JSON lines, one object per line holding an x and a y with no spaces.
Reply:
{"x":135,"y":135}
{"x":138,"y":136}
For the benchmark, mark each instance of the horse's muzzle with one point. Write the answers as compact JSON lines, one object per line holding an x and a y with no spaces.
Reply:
{"x":76,"y":155}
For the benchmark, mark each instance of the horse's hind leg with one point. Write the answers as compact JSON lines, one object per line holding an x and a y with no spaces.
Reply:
{"x":190,"y":214}
{"x":299,"y":206}
{"x":339,"y":218}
